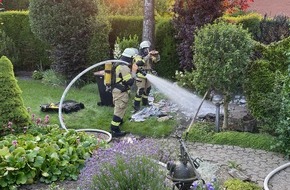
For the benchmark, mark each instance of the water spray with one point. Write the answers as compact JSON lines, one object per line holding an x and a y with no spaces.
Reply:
{"x":195,"y":116}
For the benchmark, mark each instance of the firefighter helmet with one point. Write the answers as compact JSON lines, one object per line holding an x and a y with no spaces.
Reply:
{"x":145,"y":44}
{"x":129,"y":52}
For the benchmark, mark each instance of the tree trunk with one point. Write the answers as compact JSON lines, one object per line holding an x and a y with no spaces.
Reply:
{"x":149,"y":22}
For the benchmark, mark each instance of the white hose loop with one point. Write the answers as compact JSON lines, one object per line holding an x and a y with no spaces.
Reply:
{"x":268,"y":177}
{"x":73,"y":81}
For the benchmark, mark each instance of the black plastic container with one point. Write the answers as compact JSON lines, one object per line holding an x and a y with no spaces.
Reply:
{"x":105,"y":96}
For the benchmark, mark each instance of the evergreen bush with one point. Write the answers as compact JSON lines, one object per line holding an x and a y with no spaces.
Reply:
{"x":283,"y":129}
{"x":124,"y":26}
{"x":166,"y":45}
{"x":69,"y":27}
{"x":264,"y":81}
{"x":31,"y":51}
{"x":7,"y":47}
{"x":14,"y":116}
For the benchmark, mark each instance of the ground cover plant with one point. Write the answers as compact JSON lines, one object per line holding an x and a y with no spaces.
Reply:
{"x":126,"y":165}
{"x":43,"y":153}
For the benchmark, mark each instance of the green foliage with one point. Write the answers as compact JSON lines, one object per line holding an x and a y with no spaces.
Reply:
{"x":7,"y":47}
{"x":273,"y":29}
{"x":264,"y":82}
{"x":262,"y":89}
{"x":236,"y":184}
{"x":50,"y":77}
{"x":250,"y":21}
{"x":124,"y":26}
{"x":205,"y":132}
{"x":222,"y":52}
{"x":135,"y":173}
{"x":68,"y":26}
{"x":45,"y":153}
{"x":128,"y":42}
{"x":283,"y":129}
{"x":37,"y":75}
{"x":99,"y":48}
{"x":166,"y":45}
{"x":30,"y":50}
{"x":12,"y":106}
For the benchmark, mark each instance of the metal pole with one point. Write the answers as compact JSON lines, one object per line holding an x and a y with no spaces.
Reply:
{"x":217,"y":117}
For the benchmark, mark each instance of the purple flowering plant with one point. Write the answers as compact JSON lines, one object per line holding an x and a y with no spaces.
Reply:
{"x":199,"y":185}
{"x":126,"y":165}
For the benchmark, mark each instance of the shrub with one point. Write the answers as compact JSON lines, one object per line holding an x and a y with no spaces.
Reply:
{"x":45,"y":153}
{"x":30,"y":50}
{"x":120,"y":161}
{"x":99,"y":47}
{"x":283,"y":129}
{"x":166,"y":45}
{"x":264,"y":81}
{"x":128,"y":42}
{"x":12,"y":107}
{"x":236,"y":184}
{"x":68,"y":26}
{"x":124,"y":26}
{"x":272,"y":30}
{"x":7,"y":47}
{"x":50,"y":77}
{"x":37,"y":75}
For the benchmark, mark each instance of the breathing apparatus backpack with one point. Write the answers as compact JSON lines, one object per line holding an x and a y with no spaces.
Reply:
{"x":110,"y":75}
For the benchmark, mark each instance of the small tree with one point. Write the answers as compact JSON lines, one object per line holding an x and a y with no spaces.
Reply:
{"x":68,"y":26}
{"x":222,"y":52}
{"x":13,"y":114}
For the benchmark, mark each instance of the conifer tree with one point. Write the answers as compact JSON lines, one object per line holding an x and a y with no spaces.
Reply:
{"x":13,"y":114}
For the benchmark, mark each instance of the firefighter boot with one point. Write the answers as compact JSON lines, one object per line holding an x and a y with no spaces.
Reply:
{"x":136,"y":105}
{"x":116,"y":132}
{"x":145,"y":101}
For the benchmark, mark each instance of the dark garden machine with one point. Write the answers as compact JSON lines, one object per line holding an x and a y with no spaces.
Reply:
{"x":183,"y":172}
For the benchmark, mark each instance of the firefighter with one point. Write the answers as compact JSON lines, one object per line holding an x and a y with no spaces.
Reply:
{"x":125,"y":77}
{"x":143,"y":85}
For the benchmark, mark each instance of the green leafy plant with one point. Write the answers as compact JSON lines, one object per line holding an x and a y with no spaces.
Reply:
{"x":12,"y":109}
{"x":68,"y":26}
{"x":37,"y":75}
{"x":7,"y":47}
{"x":45,"y":153}
{"x":50,"y":77}
{"x":221,"y":53}
{"x":135,"y":173}
{"x":236,"y":184}
{"x":124,"y":43}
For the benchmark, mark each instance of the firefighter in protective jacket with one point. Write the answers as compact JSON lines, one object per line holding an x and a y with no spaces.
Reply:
{"x":125,"y":77}
{"x":143,"y":85}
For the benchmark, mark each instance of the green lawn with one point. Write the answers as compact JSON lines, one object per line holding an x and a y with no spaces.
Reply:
{"x":99,"y":117}
{"x":93,"y":116}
